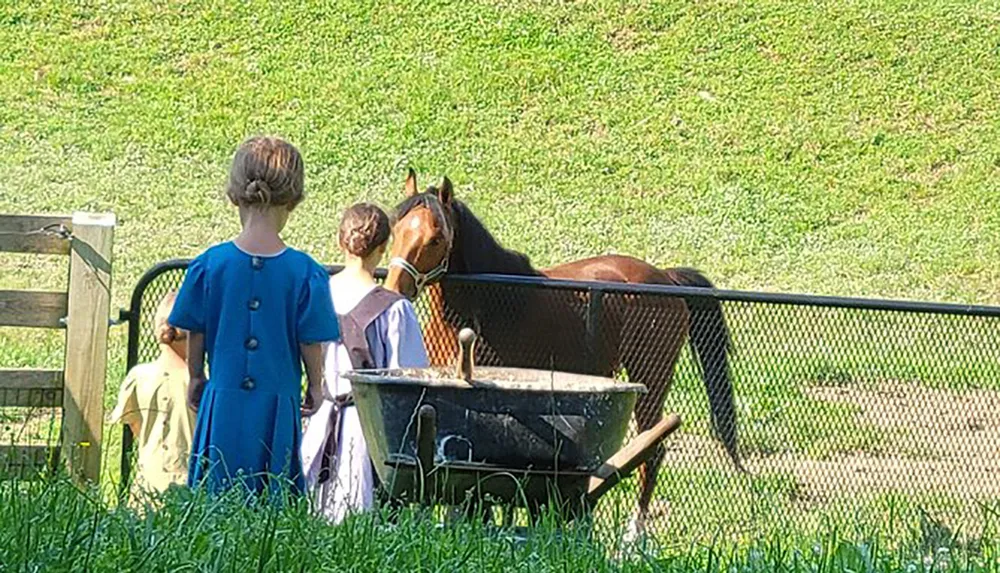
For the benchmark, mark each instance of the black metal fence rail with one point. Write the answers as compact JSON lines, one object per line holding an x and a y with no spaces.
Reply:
{"x":845,"y":408}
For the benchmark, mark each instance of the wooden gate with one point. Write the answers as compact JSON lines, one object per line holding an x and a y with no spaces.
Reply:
{"x":83,"y":311}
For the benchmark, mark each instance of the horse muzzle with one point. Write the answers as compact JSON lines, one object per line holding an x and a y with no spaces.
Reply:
{"x":420,"y":279}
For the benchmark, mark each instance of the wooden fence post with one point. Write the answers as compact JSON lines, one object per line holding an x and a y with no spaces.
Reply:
{"x":87,"y":344}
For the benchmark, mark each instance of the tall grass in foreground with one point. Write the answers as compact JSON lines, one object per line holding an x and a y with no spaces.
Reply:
{"x":52,"y":526}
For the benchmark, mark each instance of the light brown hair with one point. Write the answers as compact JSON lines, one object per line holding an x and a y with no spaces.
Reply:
{"x":363,"y":229}
{"x":266,"y":171}
{"x":162,"y":331}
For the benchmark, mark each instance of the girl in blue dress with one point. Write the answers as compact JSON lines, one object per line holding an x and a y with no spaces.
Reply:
{"x":259,"y":310}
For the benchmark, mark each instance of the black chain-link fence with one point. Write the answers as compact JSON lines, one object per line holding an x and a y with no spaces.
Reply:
{"x":867,"y":412}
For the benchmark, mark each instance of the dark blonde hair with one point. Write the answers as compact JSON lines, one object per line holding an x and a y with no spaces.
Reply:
{"x":363,"y":229}
{"x":266,"y":171}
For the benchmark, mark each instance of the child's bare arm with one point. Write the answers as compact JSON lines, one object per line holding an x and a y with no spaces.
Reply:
{"x":196,"y":368}
{"x":312,"y":357}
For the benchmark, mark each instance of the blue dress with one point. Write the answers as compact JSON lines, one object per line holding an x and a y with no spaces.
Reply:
{"x":254,"y":311}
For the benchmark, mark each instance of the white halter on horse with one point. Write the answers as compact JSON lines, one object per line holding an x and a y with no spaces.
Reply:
{"x":420,"y":280}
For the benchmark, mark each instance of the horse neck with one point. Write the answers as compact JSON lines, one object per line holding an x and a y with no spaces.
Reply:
{"x":479,"y":252}
{"x":440,"y":337}
{"x":475,"y":251}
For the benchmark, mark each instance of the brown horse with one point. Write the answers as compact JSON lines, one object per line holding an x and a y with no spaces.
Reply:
{"x":434,"y":233}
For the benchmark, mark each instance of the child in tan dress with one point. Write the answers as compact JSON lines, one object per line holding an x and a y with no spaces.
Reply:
{"x":153,"y":403}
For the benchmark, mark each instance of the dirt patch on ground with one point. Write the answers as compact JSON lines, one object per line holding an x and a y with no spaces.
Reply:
{"x":931,"y":440}
{"x":933,"y":424}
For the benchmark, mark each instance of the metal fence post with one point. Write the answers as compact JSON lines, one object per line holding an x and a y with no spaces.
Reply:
{"x":595,"y":312}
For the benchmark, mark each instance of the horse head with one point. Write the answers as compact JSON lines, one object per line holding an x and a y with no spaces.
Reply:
{"x":423,"y":233}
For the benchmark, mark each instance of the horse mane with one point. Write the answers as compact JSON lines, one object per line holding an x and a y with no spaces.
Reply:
{"x":474,"y":250}
{"x":478,"y":251}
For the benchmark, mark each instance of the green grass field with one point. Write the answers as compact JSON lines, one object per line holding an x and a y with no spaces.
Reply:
{"x":847,"y":148}
{"x":55,"y":527}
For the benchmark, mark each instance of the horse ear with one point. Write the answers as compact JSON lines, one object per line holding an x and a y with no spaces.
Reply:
{"x":410,"y":187}
{"x":446,"y":192}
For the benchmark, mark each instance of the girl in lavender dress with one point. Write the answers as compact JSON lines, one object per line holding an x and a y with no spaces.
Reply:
{"x":386,"y":335}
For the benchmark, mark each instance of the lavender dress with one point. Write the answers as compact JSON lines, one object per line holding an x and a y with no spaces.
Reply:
{"x":395,"y":341}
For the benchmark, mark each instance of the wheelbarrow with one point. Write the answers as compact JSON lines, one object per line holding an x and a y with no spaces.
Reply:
{"x":512,"y":436}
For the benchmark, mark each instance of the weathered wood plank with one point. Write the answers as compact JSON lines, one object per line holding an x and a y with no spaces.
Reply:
{"x":27,"y":462}
{"x":28,"y":388}
{"x":36,"y":234}
{"x":33,"y":309}
{"x":31,"y":398}
{"x":30,"y":379}
{"x":87,"y":344}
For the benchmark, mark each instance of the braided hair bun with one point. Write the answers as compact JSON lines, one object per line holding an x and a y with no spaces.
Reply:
{"x":266,"y":171}
{"x":363,"y":229}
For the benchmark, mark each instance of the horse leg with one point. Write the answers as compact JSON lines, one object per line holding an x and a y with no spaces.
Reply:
{"x":649,"y":411}
{"x":650,"y":357}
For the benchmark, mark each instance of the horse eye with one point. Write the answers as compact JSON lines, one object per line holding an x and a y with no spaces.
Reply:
{"x":435,"y":241}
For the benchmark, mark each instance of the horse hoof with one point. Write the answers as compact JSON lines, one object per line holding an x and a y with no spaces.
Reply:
{"x":636,"y":530}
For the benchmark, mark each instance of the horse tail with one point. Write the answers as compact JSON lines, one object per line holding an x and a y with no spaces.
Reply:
{"x":711,"y":342}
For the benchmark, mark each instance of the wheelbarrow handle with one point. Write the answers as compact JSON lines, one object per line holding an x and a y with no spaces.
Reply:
{"x":466,"y":354}
{"x":625,"y":460}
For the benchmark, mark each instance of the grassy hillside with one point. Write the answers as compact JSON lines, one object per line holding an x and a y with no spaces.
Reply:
{"x":845,"y":148}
